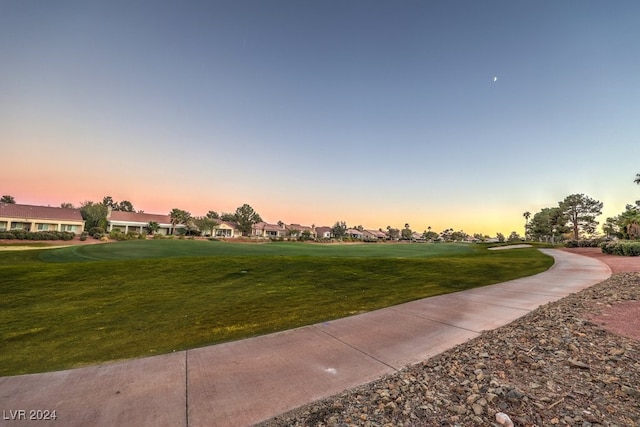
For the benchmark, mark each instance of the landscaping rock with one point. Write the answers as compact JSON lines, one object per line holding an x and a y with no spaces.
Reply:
{"x":554,"y":366}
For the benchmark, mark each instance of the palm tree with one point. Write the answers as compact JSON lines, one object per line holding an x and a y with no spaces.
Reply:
{"x":637,"y":180}
{"x":526,"y":216}
{"x":178,"y":216}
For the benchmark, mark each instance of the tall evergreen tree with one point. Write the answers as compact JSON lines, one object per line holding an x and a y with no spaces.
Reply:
{"x":581,"y":212}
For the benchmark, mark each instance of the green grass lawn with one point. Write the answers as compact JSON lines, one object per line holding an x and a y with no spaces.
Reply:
{"x":142,"y":298}
{"x":137,"y":249}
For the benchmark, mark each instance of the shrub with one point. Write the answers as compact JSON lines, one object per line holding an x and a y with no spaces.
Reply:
{"x":118,"y":235}
{"x":622,"y":248}
{"x":158,"y":236}
{"x":36,"y":235}
{"x":96,"y":230}
{"x":590,"y":243}
{"x":142,"y":236}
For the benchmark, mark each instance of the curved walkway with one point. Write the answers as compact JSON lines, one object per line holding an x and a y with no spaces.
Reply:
{"x":244,"y":382}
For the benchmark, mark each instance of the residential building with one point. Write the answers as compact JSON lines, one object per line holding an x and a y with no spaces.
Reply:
{"x":268,"y":231}
{"x":354,"y":233}
{"x":418,"y":237}
{"x":375,"y":235}
{"x":134,"y":221}
{"x":226,"y":229}
{"x":297,"y":230}
{"x":323,"y":232}
{"x":40,"y":218}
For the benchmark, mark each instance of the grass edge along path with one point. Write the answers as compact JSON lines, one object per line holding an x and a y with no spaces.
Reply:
{"x":63,"y":315}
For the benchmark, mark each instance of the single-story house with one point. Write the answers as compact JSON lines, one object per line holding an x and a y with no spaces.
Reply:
{"x":134,"y":221}
{"x":269,"y":231}
{"x":40,"y":218}
{"x":226,"y":229}
{"x":375,"y":235}
{"x":418,"y":237}
{"x":297,"y":230}
{"x":323,"y":232}
{"x":354,"y":233}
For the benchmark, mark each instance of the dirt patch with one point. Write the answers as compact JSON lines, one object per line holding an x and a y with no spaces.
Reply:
{"x":617,"y":264}
{"x":497,"y":248}
{"x":622,"y":318}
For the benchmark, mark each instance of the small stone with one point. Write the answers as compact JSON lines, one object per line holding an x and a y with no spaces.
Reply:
{"x":477,"y":409}
{"x":616,"y":352}
{"x":472,"y":398}
{"x":477,"y":420}
{"x":514,"y":395}
{"x":630,"y":391}
{"x":578,"y":364}
{"x":457,"y":409}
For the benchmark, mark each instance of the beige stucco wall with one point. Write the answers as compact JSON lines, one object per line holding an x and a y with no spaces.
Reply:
{"x":53,"y":224}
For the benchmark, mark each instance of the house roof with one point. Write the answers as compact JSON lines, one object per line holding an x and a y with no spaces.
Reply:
{"x":12,"y":210}
{"x":377,"y":233}
{"x":267,"y":227}
{"x":299,"y":227}
{"x":121,"y":216}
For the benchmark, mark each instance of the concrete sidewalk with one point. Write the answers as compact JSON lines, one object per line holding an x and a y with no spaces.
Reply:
{"x":244,"y":382}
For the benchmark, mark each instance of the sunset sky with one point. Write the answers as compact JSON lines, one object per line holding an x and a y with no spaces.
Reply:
{"x":375,"y":113}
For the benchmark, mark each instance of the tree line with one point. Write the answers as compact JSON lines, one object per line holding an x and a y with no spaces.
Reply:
{"x":575,"y":215}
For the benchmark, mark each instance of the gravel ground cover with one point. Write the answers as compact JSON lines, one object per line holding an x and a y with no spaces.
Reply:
{"x":568,"y":363}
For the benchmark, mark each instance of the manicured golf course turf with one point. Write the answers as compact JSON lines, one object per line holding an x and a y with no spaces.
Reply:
{"x":69,"y":307}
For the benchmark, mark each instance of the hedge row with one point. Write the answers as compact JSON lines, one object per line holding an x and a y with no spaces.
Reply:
{"x":36,"y":235}
{"x":622,"y":247}
{"x":131,"y":235}
{"x":591,"y":243}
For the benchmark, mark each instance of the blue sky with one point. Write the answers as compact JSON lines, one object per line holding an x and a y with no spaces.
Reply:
{"x":375,"y":113}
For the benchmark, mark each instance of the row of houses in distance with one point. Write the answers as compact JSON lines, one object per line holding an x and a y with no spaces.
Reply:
{"x":45,"y":218}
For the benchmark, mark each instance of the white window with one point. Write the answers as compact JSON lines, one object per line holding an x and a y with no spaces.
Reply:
{"x":69,"y":227}
{"x":3,"y":225}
